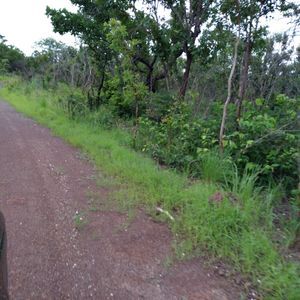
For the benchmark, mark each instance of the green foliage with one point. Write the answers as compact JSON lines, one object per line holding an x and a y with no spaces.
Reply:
{"x":79,"y":220}
{"x":233,"y":221}
{"x":125,"y":90}
{"x":266,"y":138}
{"x":103,"y":117}
{"x":177,"y":140}
{"x":214,"y":166}
{"x":75,"y":105}
{"x":11,"y":58}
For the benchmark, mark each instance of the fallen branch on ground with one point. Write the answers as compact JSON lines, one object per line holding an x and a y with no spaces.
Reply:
{"x":166,"y":213}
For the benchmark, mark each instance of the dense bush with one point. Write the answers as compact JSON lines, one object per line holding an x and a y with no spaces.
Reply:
{"x":75,"y":105}
{"x":265,"y":138}
{"x":177,"y":140}
{"x":268,"y":138}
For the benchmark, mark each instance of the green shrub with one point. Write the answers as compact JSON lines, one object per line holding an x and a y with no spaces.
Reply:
{"x":266,"y":138}
{"x":215,"y":166}
{"x":103,"y":117}
{"x":74,"y":104}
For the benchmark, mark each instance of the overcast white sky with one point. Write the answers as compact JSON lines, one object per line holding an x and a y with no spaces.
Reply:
{"x":23,"y":22}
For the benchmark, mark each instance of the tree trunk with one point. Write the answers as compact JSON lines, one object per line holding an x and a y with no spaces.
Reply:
{"x":244,"y":76}
{"x":72,"y":74}
{"x":98,"y":99}
{"x":150,"y":82}
{"x":186,"y":75}
{"x":229,"y":88}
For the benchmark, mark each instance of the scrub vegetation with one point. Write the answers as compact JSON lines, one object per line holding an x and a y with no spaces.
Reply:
{"x":195,"y":112}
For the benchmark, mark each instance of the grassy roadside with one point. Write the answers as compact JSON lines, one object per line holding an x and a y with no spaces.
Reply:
{"x":233,"y":223}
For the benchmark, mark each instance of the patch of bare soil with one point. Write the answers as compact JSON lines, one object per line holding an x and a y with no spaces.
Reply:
{"x":60,"y":249}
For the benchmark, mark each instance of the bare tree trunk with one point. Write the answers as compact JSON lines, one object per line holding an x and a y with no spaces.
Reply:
{"x":167,"y":77}
{"x":244,"y":73}
{"x":98,"y":99}
{"x":72,"y":74}
{"x":229,"y":88}
{"x":186,"y":75}
{"x":135,"y":129}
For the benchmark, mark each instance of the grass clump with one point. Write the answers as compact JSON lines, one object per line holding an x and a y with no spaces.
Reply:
{"x":231,"y":220}
{"x":80,"y":220}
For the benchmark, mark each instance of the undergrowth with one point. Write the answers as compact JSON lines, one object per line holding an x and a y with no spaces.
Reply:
{"x":232,"y":221}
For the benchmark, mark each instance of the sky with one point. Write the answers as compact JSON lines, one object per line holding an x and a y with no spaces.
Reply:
{"x":23,"y":22}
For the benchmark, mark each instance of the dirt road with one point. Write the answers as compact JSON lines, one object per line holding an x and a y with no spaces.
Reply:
{"x":43,"y":183}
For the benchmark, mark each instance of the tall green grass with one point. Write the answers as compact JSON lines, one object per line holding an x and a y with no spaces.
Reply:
{"x":233,"y":221}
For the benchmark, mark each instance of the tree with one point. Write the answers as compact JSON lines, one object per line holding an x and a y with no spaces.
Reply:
{"x":230,"y":78}
{"x":251,"y":12}
{"x":275,"y":70}
{"x":88,"y":24}
{"x":12,"y":59}
{"x":187,"y":20}
{"x":161,"y":43}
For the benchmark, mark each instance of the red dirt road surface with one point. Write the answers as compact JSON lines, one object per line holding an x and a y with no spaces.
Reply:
{"x":43,"y":183}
